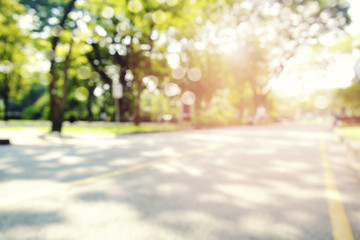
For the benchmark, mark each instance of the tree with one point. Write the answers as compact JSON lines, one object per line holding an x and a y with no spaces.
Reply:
{"x":127,"y":35}
{"x":12,"y":41}
{"x":57,"y":104}
{"x":53,"y":15}
{"x":262,"y":37}
{"x":348,"y":98}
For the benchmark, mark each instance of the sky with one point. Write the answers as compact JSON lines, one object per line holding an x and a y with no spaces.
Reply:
{"x":339,"y":74}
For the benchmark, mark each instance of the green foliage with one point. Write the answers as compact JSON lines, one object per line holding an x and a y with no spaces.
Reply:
{"x":131,"y":42}
{"x":352,"y":132}
{"x":123,"y":129}
{"x":348,"y":98}
{"x":12,"y":58}
{"x":34,"y":102}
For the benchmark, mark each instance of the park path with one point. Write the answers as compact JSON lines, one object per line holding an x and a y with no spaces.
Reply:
{"x":283,"y":181}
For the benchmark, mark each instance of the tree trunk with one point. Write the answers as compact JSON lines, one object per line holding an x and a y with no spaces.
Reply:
{"x":6,"y":97}
{"x":123,"y":83}
{"x":137,"y":118}
{"x":57,"y":120}
{"x":241,"y":107}
{"x":56,"y":104}
{"x":89,"y":104}
{"x":6,"y":110}
{"x":147,"y":72}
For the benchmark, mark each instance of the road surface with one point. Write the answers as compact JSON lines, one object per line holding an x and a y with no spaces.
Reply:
{"x":283,"y":181}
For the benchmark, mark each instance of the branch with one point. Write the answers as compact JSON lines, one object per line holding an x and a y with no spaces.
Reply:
{"x":54,"y":43}
{"x":102,"y":73}
{"x":66,"y":76}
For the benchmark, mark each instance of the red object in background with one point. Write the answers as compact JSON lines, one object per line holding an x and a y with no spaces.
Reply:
{"x":186,"y":112}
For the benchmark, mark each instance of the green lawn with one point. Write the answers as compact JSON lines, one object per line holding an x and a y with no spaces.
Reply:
{"x":351,"y":132}
{"x":121,"y":129}
{"x":96,"y":127}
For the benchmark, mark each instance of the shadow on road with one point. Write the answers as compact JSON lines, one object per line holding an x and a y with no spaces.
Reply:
{"x":263,"y":184}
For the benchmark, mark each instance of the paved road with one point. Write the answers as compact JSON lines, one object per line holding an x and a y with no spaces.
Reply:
{"x":286,"y":181}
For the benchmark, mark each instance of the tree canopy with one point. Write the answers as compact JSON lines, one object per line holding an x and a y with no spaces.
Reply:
{"x":218,"y":56}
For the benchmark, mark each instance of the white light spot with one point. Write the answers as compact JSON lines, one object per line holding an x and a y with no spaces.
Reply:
{"x":129,"y":76}
{"x":173,"y":60}
{"x":194,"y":74}
{"x":172,"y":89}
{"x":135,"y":6}
{"x":26,"y":22}
{"x":154,"y":35}
{"x":98,"y":91}
{"x":178,"y":73}
{"x":108,"y":12}
{"x":53,"y":21}
{"x":200,"y":46}
{"x":82,"y":26}
{"x":106,"y":86}
{"x":150,"y":82}
{"x":127,"y":40}
{"x":100,"y":30}
{"x":174,"y":47}
{"x":122,"y":27}
{"x":321,"y":102}
{"x":188,"y":98}
{"x":81,"y":93}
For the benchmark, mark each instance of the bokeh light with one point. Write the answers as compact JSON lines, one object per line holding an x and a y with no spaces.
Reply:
{"x":194,"y":74}
{"x":106,"y":86}
{"x":159,"y":17}
{"x":178,"y":73}
{"x":172,"y":3}
{"x":135,"y":6}
{"x":188,"y":98}
{"x":107,"y":12}
{"x":123,"y":27}
{"x":150,"y":82}
{"x":173,"y":60}
{"x":81,"y":94}
{"x":171,"y":89}
{"x":321,"y":102}
{"x":100,"y":30}
{"x":84,"y":72}
{"x":98,"y":91}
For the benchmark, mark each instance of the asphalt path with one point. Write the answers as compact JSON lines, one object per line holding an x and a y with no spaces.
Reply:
{"x":283,"y":181}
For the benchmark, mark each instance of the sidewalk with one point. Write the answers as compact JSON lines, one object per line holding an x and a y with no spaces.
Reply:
{"x":23,"y":133}
{"x":30,"y":136}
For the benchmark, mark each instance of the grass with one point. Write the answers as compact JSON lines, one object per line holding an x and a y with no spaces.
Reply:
{"x":121,"y":129}
{"x":94,"y":127}
{"x":351,"y":132}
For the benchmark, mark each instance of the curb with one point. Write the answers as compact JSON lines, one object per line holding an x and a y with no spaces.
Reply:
{"x":4,"y":142}
{"x":354,"y":147}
